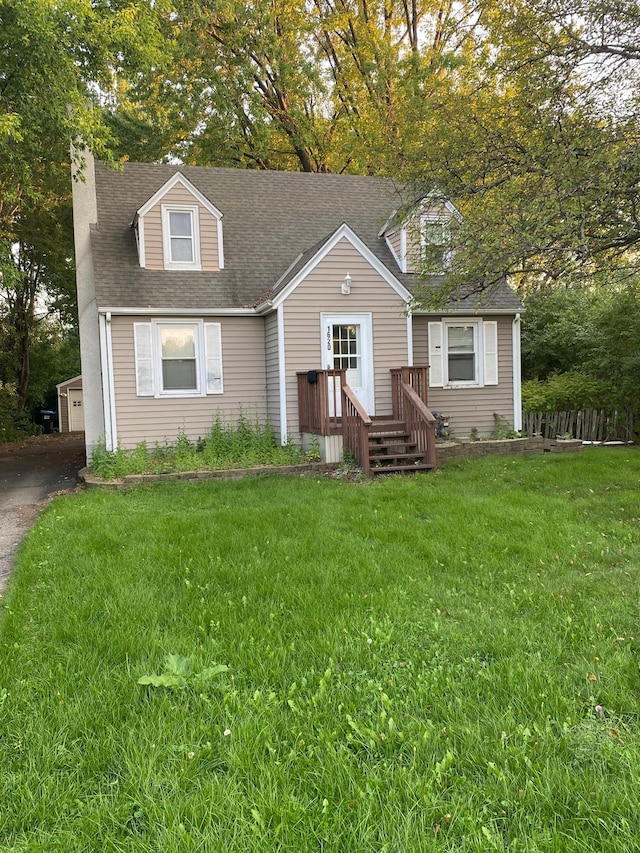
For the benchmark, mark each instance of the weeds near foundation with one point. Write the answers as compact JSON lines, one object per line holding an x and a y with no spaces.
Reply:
{"x":245,"y":444}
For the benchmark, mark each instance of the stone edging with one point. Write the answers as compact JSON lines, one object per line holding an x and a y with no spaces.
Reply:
{"x":89,"y":479}
{"x":467,"y":449}
{"x":445,"y":452}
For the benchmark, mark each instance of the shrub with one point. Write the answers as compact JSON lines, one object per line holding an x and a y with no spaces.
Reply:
{"x":14,"y":425}
{"x":567,"y":392}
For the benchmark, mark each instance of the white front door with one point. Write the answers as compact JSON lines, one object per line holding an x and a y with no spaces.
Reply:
{"x":76,"y":415}
{"x":347,"y":344}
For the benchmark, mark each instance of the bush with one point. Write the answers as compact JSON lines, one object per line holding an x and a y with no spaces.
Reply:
{"x":567,"y":392}
{"x":14,"y":425}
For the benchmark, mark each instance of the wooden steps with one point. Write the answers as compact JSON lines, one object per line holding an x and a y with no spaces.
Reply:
{"x":391,"y":450}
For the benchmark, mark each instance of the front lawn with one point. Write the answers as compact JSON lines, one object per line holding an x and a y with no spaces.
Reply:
{"x":447,"y":662}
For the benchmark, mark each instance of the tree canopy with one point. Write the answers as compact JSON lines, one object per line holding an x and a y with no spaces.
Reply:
{"x":537,"y":143}
{"x":524,"y":113}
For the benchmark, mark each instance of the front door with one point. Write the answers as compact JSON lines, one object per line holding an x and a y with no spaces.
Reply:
{"x":348,"y":345}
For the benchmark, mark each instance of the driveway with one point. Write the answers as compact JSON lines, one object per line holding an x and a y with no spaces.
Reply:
{"x":30,"y":473}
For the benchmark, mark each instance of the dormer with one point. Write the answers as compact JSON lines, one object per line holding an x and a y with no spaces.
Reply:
{"x":179,"y":229}
{"x":423,"y":234}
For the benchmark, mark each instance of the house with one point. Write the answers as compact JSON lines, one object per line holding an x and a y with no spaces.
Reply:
{"x":207,"y":292}
{"x":70,"y":405}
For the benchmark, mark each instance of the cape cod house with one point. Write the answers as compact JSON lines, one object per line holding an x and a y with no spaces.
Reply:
{"x":207,"y":292}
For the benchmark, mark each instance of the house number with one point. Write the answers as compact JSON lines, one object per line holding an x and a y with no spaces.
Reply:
{"x":329,"y":338}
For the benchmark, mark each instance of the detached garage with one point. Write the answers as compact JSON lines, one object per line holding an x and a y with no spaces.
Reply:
{"x":70,"y":405}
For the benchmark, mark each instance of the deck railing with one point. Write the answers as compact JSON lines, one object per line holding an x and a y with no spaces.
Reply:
{"x":355,"y":429}
{"x":419,"y":421}
{"x":416,"y":378}
{"x":319,"y":401}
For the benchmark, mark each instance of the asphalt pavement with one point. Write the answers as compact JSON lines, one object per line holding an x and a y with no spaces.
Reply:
{"x":31,"y":472}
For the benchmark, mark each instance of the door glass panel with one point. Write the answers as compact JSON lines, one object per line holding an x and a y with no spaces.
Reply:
{"x":347,"y":352}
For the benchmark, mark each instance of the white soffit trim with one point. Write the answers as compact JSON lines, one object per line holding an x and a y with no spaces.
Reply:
{"x":393,"y":252}
{"x":346,"y":233}
{"x":220,"y":244}
{"x":436,"y":194}
{"x":142,"y":255}
{"x":179,"y":178}
{"x":480,"y":312}
{"x":282,"y":375}
{"x":179,"y":312}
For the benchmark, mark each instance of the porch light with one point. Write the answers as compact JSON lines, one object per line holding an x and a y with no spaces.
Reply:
{"x":346,"y":285}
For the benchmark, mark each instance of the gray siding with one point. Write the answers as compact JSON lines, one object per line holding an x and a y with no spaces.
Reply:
{"x":154,"y":259}
{"x":272,"y":369}
{"x":320,"y":293}
{"x":467,"y":408}
{"x":151,"y":419}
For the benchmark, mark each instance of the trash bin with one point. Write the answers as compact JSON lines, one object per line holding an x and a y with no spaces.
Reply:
{"x":47,"y":420}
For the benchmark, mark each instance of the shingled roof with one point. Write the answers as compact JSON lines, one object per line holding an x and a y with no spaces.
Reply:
{"x":271,"y":220}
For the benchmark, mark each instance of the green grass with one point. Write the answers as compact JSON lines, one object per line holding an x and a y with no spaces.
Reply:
{"x":414,"y":665}
{"x":244,"y":444}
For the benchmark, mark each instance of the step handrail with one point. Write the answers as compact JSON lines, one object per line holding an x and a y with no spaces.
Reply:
{"x":421,"y":424}
{"x":356,"y":424}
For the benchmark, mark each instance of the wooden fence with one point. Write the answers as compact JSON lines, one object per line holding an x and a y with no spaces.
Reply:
{"x":591,"y":425}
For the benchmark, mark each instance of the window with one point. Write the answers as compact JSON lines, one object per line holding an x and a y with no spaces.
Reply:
{"x":461,"y":347}
{"x":178,"y":358}
{"x":434,"y":236}
{"x":463,"y":353}
{"x":180,"y":237}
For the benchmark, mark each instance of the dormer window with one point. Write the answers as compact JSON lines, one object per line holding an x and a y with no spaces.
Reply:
{"x":434,"y":237}
{"x":178,"y":228}
{"x":180,"y":232}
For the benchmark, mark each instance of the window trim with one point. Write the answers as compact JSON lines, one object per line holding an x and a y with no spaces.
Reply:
{"x":198,"y":327}
{"x":486,"y":350}
{"x":148,"y":358}
{"x":478,"y":353}
{"x":444,"y":221}
{"x":194,"y":212}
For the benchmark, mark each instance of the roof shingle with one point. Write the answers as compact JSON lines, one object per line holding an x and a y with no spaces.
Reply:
{"x":270,"y":219}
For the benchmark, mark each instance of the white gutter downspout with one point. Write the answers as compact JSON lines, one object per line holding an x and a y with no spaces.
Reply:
{"x":517,"y":375}
{"x":282,"y":375}
{"x":108,"y":393}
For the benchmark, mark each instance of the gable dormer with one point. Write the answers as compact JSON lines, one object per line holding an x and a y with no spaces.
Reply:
{"x":424,"y":231}
{"x":179,"y":229}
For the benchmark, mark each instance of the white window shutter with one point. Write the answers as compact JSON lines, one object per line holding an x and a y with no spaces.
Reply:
{"x":436,"y":376}
{"x":144,"y":359}
{"x":490,"y":335}
{"x":213,"y":354}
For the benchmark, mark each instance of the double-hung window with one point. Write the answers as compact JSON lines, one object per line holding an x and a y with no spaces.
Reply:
{"x":178,"y":344}
{"x":180,"y":240}
{"x":434,"y":237}
{"x":463,"y":353}
{"x":176,"y":358}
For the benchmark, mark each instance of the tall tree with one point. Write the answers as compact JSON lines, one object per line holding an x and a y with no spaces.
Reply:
{"x":538,"y":145}
{"x":314,"y":85}
{"x":58,"y":61}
